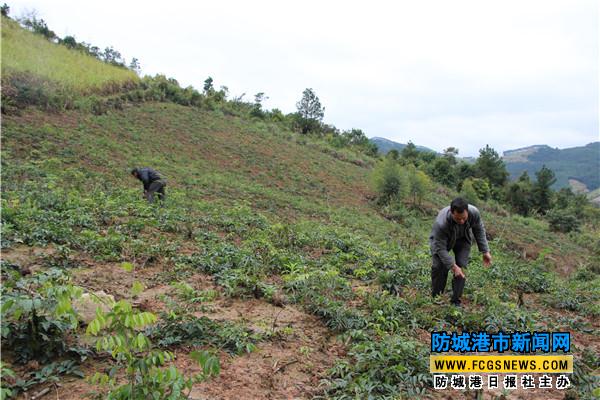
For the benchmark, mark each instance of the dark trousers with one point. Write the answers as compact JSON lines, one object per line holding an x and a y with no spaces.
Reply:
{"x":439,"y":273}
{"x":157,"y":187}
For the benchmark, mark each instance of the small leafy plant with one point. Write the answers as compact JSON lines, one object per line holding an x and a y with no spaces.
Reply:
{"x":120,"y":332}
{"x":37,"y":315}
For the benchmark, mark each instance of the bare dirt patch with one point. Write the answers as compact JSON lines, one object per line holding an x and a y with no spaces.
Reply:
{"x":28,"y":258}
{"x":290,"y":365}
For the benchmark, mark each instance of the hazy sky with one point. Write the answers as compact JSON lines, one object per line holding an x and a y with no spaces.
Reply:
{"x":439,"y":73}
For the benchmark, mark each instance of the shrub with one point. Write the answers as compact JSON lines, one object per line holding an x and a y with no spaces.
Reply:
{"x":37,"y":315}
{"x":420,"y":185}
{"x":563,"y":220}
{"x":468,"y":191}
{"x":120,"y":333}
{"x":381,"y":370}
{"x":389,"y":181}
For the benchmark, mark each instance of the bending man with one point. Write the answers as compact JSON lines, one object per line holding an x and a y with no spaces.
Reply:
{"x":152,"y":181}
{"x":454,"y":229}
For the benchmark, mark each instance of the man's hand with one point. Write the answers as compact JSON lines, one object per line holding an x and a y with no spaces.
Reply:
{"x":487,"y":259}
{"x":458,"y":272}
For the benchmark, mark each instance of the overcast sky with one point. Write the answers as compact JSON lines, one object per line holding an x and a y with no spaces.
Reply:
{"x":439,"y":73}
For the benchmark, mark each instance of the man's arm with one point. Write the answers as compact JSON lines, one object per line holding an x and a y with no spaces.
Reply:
{"x":439,"y":246}
{"x":481,"y":239}
{"x":479,"y":233}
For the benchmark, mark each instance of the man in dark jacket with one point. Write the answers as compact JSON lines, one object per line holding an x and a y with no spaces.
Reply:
{"x":152,"y":181}
{"x":454,"y":229}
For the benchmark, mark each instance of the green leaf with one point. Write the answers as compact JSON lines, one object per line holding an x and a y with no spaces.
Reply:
{"x":141,"y":341}
{"x":7,"y":305}
{"x":137,"y":288}
{"x":127,"y":266}
{"x":93,"y":328}
{"x":5,"y":393}
{"x":210,"y":364}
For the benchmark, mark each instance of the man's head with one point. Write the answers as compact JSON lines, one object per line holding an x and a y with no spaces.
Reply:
{"x":134,"y":172}
{"x":459,"y":208}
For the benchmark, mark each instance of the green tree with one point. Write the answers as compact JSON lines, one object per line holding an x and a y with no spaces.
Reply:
{"x":565,"y":198}
{"x":208,"y":86}
{"x":482,"y":188}
{"x":257,"y":110}
{"x":393,"y":154}
{"x":464,"y":171}
{"x":519,"y":195}
{"x":443,"y":171}
{"x":427,"y":157}
{"x":468,"y":191}
{"x":355,"y":137}
{"x":113,"y":57}
{"x":276,"y":115}
{"x":134,"y":65}
{"x":450,"y":154}
{"x":420,"y":185}
{"x":542,"y":192}
{"x":69,"y":41}
{"x":389,"y":180}
{"x":489,"y":165}
{"x":310,"y":111}
{"x":38,"y":26}
{"x":410,"y":153}
{"x":563,"y":220}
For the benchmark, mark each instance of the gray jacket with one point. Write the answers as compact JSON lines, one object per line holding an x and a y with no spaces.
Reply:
{"x":147,"y":176}
{"x":445,"y":230}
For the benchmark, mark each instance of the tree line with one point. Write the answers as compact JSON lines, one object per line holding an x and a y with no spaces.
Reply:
{"x":487,"y":179}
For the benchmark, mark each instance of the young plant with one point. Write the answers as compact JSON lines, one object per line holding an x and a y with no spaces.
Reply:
{"x":120,"y":333}
{"x":37,"y":315}
{"x":5,"y":390}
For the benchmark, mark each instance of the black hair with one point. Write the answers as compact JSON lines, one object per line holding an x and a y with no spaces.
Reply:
{"x":134,"y":171}
{"x":459,"y":205}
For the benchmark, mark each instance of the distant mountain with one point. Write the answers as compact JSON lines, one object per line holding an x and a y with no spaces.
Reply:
{"x":576,"y":167}
{"x":384,"y":145}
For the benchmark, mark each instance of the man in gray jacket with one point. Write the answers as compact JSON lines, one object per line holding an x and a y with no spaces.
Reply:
{"x":152,"y":181}
{"x":452,"y":231}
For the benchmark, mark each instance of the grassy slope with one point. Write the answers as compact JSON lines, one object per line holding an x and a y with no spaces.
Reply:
{"x":217,"y":164}
{"x":23,"y":51}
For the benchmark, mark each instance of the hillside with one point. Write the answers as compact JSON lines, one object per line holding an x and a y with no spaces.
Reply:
{"x":385,"y":145}
{"x":27,"y":56}
{"x":270,"y":253}
{"x":578,"y":163}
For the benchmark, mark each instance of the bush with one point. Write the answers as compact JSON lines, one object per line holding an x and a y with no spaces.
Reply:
{"x":563,"y":220}
{"x":468,"y":192}
{"x":389,"y":180}
{"x":21,"y":89}
{"x":420,"y":185}
{"x":120,"y":333}
{"x":381,"y":370}
{"x":37,"y":315}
